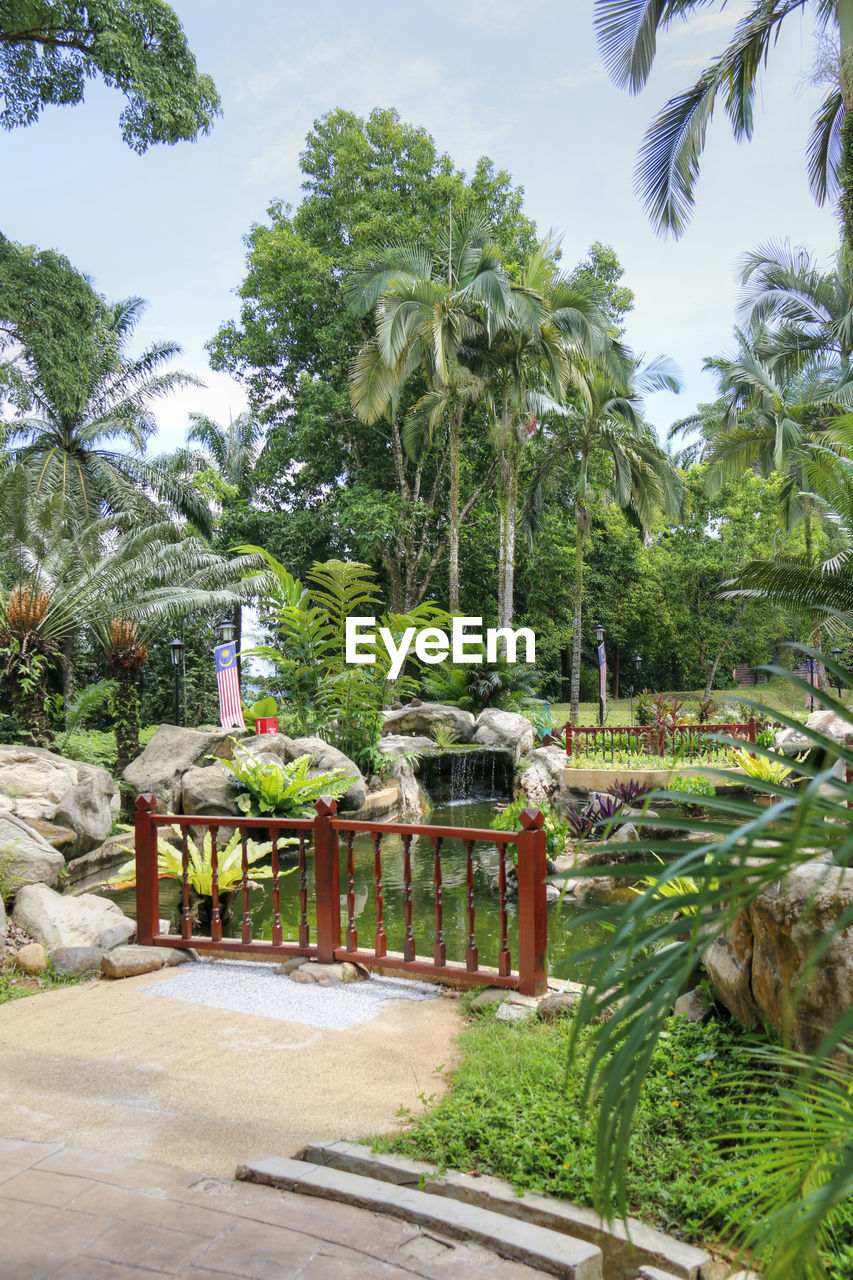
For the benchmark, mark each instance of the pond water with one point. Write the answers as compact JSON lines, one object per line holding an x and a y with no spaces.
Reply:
{"x":569,"y":933}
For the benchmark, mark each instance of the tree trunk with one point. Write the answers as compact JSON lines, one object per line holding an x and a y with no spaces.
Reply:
{"x":126,"y":727}
{"x":238,"y":636}
{"x":453,"y":570}
{"x":713,"y":671}
{"x":845,"y":172}
{"x":28,"y":699}
{"x":576,"y":623}
{"x":66,"y":663}
{"x":565,"y":675}
{"x":509,"y":559}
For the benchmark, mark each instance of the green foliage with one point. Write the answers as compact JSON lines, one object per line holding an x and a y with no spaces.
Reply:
{"x":49,"y":50}
{"x":95,"y":746}
{"x":85,"y":703}
{"x":444,"y":736}
{"x":229,"y":873}
{"x":690,"y":792}
{"x":762,"y":767}
{"x":556,"y":828}
{"x":261,"y":709}
{"x":283,"y":789}
{"x":509,"y":686}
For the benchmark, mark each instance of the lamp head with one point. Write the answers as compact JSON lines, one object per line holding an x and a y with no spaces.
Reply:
{"x":176,"y":648}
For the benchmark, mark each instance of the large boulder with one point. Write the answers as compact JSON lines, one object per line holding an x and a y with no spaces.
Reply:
{"x":57,"y":920}
{"x":543,"y":771}
{"x":757,"y":969}
{"x":429,"y":716}
{"x":791,"y":742}
{"x":25,"y":856}
{"x":397,"y":744}
{"x":39,"y":784}
{"x":158,"y":770}
{"x":277,"y":747}
{"x":507,"y":729}
{"x":209,"y":791}
{"x":412,"y":801}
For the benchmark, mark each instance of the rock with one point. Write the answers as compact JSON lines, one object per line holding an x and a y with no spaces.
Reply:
{"x":41,"y":784}
{"x":158,"y":770}
{"x":397,"y":744}
{"x":127,"y":962}
{"x":830,"y":725}
{"x":326,"y":975}
{"x":61,"y":838}
{"x":543,"y":769}
{"x":728,"y":963}
{"x":31,"y":958}
{"x":693,"y":1005}
{"x":62,"y":921}
{"x":73,"y":960}
{"x":353,"y":972}
{"x":429,"y":716}
{"x":323,"y":759}
{"x":209,"y":790}
{"x":303,"y":974}
{"x":26,"y":857}
{"x":553,"y":893}
{"x":510,"y":1012}
{"x":290,"y":966}
{"x":491,"y":995}
{"x":412,"y":801}
{"x":558,"y":1005}
{"x":506,"y":729}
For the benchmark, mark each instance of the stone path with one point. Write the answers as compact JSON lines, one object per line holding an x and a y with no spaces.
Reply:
{"x":69,"y":1213}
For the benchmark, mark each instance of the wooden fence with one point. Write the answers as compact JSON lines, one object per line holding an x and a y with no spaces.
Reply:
{"x":686,"y":742}
{"x":319,"y":839}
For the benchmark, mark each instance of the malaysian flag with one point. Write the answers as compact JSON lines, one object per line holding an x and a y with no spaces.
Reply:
{"x":602,"y":678}
{"x":228,"y":680}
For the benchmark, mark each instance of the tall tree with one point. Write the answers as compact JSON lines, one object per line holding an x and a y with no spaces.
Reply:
{"x":668,"y":164}
{"x":50,"y":48}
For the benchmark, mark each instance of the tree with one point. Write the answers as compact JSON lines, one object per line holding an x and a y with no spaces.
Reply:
{"x":604,"y":447}
{"x":668,"y":164}
{"x":69,"y":440}
{"x":429,"y":313}
{"x":50,"y":48}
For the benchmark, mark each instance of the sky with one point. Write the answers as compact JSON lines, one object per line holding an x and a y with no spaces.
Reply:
{"x":521,"y":81}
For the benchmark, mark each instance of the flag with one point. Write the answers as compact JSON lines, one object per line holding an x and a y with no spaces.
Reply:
{"x":602,"y":677}
{"x":813,"y":678}
{"x":228,"y":680}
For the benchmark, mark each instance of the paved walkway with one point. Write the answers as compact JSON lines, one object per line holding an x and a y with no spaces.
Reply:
{"x":111,"y":1066}
{"x":73,"y":1214}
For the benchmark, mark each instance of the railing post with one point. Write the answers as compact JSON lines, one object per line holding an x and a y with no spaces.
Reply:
{"x":147,"y":884}
{"x":532,"y":904}
{"x":327,"y":875}
{"x":568,"y":741}
{"x":751,"y":724}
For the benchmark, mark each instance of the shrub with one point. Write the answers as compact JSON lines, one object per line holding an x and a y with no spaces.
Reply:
{"x":283,"y":789}
{"x":556,"y":827}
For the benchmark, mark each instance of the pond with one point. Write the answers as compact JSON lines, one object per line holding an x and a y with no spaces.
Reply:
{"x":569,"y":933}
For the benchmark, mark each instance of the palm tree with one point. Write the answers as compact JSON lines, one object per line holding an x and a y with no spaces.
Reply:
{"x":668,"y":164}
{"x":60,"y":576}
{"x":89,"y":446}
{"x":607,"y":425}
{"x":430,"y":309}
{"x":529,"y":365}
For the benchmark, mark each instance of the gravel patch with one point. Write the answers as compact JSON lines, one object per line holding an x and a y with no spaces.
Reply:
{"x":244,"y":986}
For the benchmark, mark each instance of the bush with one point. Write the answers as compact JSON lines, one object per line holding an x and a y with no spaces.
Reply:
{"x":556,"y":827}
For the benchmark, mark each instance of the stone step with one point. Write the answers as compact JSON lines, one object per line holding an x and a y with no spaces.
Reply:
{"x":550,"y":1252}
{"x":625,"y":1250}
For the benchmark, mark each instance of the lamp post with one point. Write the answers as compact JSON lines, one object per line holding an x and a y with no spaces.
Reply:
{"x":836,"y":680}
{"x":226,"y":631}
{"x":176,"y":649}
{"x":638,"y":662}
{"x":602,"y":671}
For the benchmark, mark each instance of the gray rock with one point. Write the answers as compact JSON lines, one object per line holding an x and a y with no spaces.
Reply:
{"x":127,"y":962}
{"x":26,"y":856}
{"x":35,"y":783}
{"x":31,"y":959}
{"x":290,"y":966}
{"x":74,"y":960}
{"x":428,"y":717}
{"x":491,"y":995}
{"x":693,"y":1005}
{"x":158,"y":770}
{"x":62,"y":921}
{"x":506,"y":729}
{"x":302,"y":974}
{"x":209,"y":790}
{"x":558,"y":1005}
{"x":542,"y":774}
{"x":509,"y":1012}
{"x":728,"y":963}
{"x":412,"y":801}
{"x":398,"y":744}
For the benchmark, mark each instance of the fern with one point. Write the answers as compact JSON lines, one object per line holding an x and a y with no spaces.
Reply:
{"x":283,"y":789}
{"x":84,"y":704}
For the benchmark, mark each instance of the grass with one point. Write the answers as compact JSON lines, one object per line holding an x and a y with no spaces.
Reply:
{"x":15,"y":985}
{"x":513,"y":1111}
{"x":777,"y":695}
{"x":97,"y":746}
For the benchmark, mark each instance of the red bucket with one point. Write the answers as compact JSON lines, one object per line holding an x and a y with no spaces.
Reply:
{"x":266,"y":724}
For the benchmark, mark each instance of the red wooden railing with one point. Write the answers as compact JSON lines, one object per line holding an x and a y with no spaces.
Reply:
{"x":687,"y":741}
{"x":320,"y":836}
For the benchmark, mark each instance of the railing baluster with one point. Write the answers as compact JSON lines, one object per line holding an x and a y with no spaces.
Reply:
{"x":409,"y":939}
{"x":215,"y":917}
{"x":380,"y":943}
{"x":276,"y":902}
{"x":303,"y":893}
{"x":504,"y":960}
{"x":246,"y":926}
{"x":471,"y":957}
{"x":186,"y":919}
{"x":352,"y":932}
{"x":439,"y":950}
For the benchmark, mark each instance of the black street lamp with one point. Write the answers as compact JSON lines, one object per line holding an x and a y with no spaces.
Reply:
{"x":599,"y":641}
{"x":836,"y":680}
{"x":176,"y":649}
{"x":226,"y":631}
{"x":638,"y":662}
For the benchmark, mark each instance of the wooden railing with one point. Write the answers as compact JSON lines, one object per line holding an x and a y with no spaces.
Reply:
{"x":687,"y":742}
{"x":319,"y":839}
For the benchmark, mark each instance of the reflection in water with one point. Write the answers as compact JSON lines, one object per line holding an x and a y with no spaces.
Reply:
{"x":568,"y":932}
